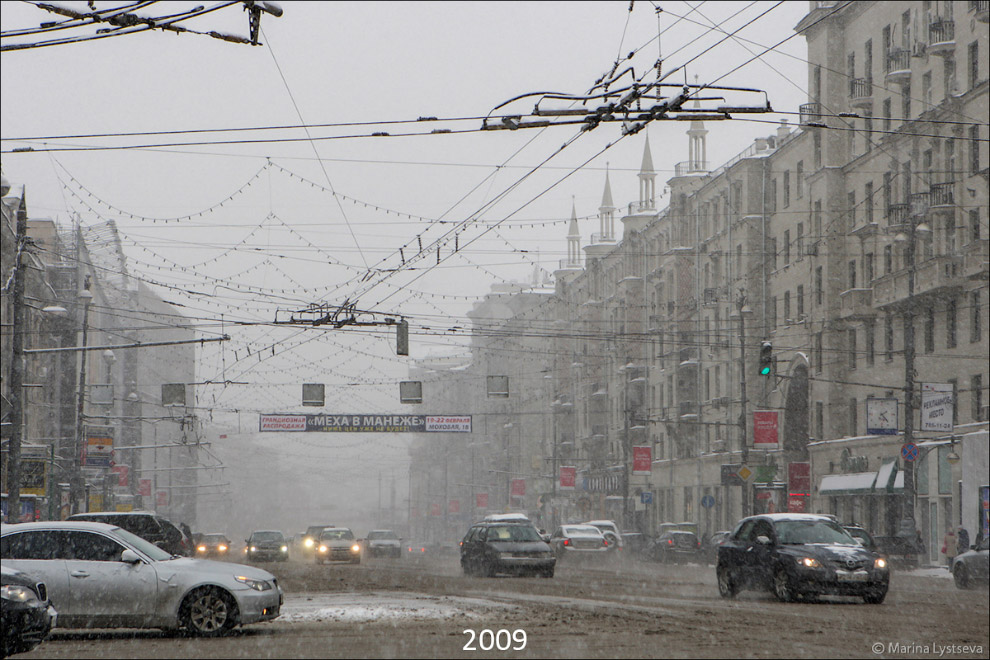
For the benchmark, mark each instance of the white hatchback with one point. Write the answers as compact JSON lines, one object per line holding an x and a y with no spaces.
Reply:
{"x":102,"y":576}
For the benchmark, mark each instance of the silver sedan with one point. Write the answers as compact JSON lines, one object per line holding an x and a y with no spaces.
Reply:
{"x":102,"y":576}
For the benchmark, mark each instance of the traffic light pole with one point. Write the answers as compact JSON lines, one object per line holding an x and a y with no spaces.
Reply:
{"x":744,"y":441}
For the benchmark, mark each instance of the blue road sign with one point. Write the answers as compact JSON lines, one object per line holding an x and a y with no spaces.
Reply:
{"x":708,"y":501}
{"x":909,"y":451}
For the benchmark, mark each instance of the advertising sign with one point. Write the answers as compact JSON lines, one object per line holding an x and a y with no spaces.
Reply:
{"x":518,"y":488}
{"x":365,"y":423}
{"x":568,"y":477}
{"x":936,"y":407}
{"x":98,"y":450}
{"x":881,"y":416}
{"x":765,"y":429}
{"x":481,"y":500}
{"x":642,"y":460}
{"x":144,"y":487}
{"x":161,"y":498}
{"x":798,"y":486}
{"x":123,"y":474}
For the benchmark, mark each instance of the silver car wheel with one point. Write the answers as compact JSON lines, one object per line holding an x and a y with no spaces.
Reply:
{"x":209,"y":613}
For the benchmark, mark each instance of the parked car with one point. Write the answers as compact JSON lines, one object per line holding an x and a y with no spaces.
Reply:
{"x":973,"y":566}
{"x":212,"y":545}
{"x":794,"y":554}
{"x":338,"y":544}
{"x":103,"y":576}
{"x":26,"y":614}
{"x":310,"y":540}
{"x":611,"y":533}
{"x":573,"y":541}
{"x":383,"y":543}
{"x":490,"y":548}
{"x":267,"y":545}
{"x":709,"y":547}
{"x":860,"y":534}
{"x":674,"y":546}
{"x":148,"y":525}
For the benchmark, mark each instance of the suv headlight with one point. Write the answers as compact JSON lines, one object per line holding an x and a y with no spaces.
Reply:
{"x":880,"y":563}
{"x":17,"y":593}
{"x":355,"y":548}
{"x":309,"y":543}
{"x":285,"y":548}
{"x":257,"y":585}
{"x":809,"y":562}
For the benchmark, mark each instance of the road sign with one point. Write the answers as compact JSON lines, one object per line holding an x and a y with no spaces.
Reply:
{"x":646,"y":497}
{"x":909,"y":451}
{"x":881,"y":416}
{"x":708,"y":501}
{"x":745,"y":473}
{"x":936,"y":407}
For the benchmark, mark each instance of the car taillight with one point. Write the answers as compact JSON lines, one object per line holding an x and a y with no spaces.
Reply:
{"x":567,"y":541}
{"x":605,"y":542}
{"x":670,"y":541}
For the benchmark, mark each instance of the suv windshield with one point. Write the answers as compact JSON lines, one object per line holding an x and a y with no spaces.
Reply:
{"x":503,"y":533}
{"x":147,"y":547}
{"x":267,"y":536}
{"x":812,"y":531}
{"x":382,"y":535}
{"x":337,"y":535}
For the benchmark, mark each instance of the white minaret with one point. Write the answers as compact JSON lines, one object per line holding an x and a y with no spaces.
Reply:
{"x":606,"y":212}
{"x":573,"y":240}
{"x":647,"y":181}
{"x":697,"y":150}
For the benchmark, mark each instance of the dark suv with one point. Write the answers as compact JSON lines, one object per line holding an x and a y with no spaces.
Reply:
{"x":146,"y":524}
{"x":506,"y":547}
{"x":799,"y":554}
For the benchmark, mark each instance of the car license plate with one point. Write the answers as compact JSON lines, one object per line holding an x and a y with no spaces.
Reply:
{"x":851,"y":576}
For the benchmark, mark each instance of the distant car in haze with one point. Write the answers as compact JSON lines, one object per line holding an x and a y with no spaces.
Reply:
{"x":267,"y":545}
{"x":383,"y":543}
{"x":338,"y":544}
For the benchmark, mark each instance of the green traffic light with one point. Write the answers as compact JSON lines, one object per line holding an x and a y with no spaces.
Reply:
{"x":765,"y":371}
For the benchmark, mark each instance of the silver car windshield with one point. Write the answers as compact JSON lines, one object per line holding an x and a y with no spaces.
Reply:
{"x":147,"y":547}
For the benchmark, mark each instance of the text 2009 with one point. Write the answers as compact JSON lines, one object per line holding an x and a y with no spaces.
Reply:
{"x":502,"y":640}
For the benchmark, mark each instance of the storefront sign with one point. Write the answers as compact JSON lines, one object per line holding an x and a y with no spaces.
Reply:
{"x":365,"y":423}
{"x":568,"y":478}
{"x":642,"y":460}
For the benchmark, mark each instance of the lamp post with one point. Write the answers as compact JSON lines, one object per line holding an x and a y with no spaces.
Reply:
{"x":742,"y":312}
{"x":916,"y":228}
{"x":76,"y":484}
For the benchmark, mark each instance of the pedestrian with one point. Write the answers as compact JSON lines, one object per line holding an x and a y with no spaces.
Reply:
{"x":962,"y":540}
{"x":949,"y":546}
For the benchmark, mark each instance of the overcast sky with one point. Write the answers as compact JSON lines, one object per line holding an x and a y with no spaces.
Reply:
{"x":283,"y":239}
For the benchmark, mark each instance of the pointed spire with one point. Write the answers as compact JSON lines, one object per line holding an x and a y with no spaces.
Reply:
{"x":647,"y":167}
{"x":607,"y":195}
{"x":572,"y":229}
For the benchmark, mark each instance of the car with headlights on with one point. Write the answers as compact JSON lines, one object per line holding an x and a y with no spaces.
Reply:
{"x":27,"y":615}
{"x":212,"y":545}
{"x":793,"y":555}
{"x":383,"y":543}
{"x":310,"y":540}
{"x":574,"y":541}
{"x":973,"y":566}
{"x":103,"y":576}
{"x":516,"y":548}
{"x":338,"y":544}
{"x":267,"y":545}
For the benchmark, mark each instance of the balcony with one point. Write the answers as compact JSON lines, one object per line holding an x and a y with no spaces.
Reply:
{"x":899,"y":66}
{"x":861,"y":93}
{"x":941,"y":37}
{"x":934,"y":277}
{"x":812,"y":114}
{"x":940,"y":195}
{"x":690,"y":167}
{"x":687,"y":410}
{"x":856,"y":304}
{"x":981,"y":10}
{"x":897,"y":214}
{"x":976,"y":255}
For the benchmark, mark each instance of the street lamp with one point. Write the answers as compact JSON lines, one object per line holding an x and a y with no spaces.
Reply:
{"x":76,"y":485}
{"x":916,"y":228}
{"x":743,"y":310}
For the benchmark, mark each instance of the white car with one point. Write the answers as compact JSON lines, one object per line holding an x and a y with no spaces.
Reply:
{"x":578,"y":541}
{"x":102,"y":576}
{"x":611,"y":532}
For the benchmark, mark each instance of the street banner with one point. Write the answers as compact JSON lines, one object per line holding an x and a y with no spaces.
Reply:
{"x":161,"y":498}
{"x":144,"y":487}
{"x":481,"y":500}
{"x":568,"y":477}
{"x":798,"y":486}
{"x":881,"y":416}
{"x":642,"y":460}
{"x":123,"y":474}
{"x":365,"y":423}
{"x":936,"y":407}
{"x":765,"y":429}
{"x":518,"y":488}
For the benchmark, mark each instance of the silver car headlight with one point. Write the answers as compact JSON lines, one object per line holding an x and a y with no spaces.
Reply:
{"x":257,"y":585}
{"x":17,"y":593}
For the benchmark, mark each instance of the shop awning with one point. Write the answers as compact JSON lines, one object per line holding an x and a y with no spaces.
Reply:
{"x":857,"y":483}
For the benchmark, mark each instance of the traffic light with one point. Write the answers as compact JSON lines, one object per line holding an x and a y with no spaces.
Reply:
{"x":766,"y":358}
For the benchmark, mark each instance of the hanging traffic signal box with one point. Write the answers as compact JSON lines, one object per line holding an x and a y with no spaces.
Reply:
{"x":766,"y":359}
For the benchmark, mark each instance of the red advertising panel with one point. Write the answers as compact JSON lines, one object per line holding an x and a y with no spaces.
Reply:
{"x":144,"y":487}
{"x":123,"y":474}
{"x":568,"y":477}
{"x":642,"y":460}
{"x":436,"y":509}
{"x":454,"y":506}
{"x":765,"y":429}
{"x":518,"y":487}
{"x":798,"y":486}
{"x":481,"y":500}
{"x":161,"y":498}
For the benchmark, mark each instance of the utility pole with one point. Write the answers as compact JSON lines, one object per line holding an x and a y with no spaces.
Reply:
{"x":76,"y":483}
{"x":17,"y":368}
{"x":625,"y":454}
{"x":743,"y":310}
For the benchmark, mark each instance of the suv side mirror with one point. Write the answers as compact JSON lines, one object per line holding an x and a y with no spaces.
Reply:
{"x":763,"y":540}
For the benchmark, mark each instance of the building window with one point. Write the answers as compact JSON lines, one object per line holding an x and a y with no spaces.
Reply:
{"x":949,"y":76}
{"x":888,"y":337}
{"x":853,"y":422}
{"x":974,"y":149}
{"x":975,"y":322}
{"x":906,"y":103}
{"x":950,"y":324}
{"x":799,"y":243}
{"x":773,"y":312}
{"x":818,"y":352}
{"x":819,"y":419}
{"x":974,"y":226}
{"x":870,"y":343}
{"x":888,"y":259}
{"x":787,"y":188}
{"x":930,"y":331}
{"x":868,"y":275}
{"x":868,"y":202}
{"x":800,"y":301}
{"x":852,"y":274}
{"x":851,"y":203}
{"x":819,"y":287}
{"x":955,"y":399}
{"x":787,"y":307}
{"x":852,"y":348}
{"x":976,"y":387}
{"x":886,"y":115}
{"x":787,"y":246}
{"x":800,"y":179}
{"x":817,"y":146}
{"x":974,"y":64}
